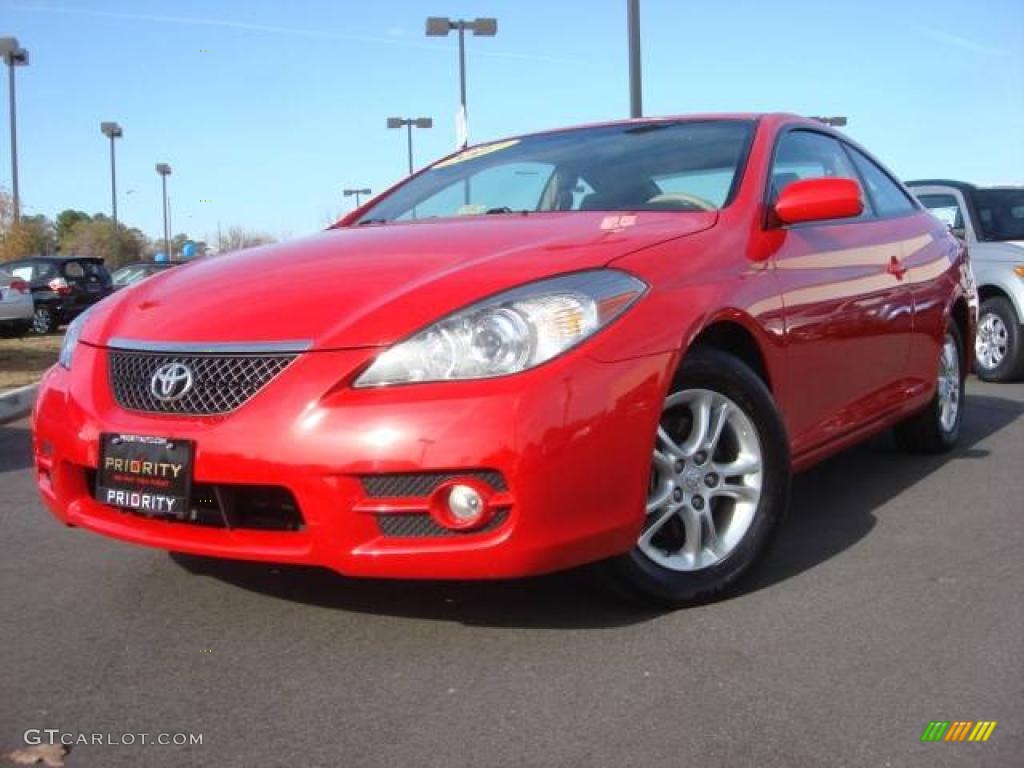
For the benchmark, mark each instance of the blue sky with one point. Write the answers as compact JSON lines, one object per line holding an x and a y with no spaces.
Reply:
{"x":267,"y":109}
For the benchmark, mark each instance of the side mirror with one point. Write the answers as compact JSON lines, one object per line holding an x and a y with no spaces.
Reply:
{"x":959,"y":232}
{"x":818,"y":200}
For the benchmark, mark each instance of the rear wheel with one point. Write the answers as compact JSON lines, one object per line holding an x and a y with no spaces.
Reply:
{"x":15,"y":329}
{"x":44,"y":320}
{"x":719,"y":484}
{"x":999,"y":348}
{"x":936,"y":429}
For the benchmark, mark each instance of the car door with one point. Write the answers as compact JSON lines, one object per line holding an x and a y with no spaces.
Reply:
{"x":848,"y":316}
{"x":928,"y":258}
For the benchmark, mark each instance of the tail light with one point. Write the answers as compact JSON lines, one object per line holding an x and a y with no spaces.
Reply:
{"x":60,"y":285}
{"x":19,"y":285}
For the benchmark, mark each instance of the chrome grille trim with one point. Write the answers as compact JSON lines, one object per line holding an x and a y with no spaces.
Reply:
{"x":222,"y":383}
{"x":294,"y":346}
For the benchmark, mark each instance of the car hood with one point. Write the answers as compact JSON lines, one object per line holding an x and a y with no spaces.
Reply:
{"x":370,"y":286}
{"x":998,"y":250}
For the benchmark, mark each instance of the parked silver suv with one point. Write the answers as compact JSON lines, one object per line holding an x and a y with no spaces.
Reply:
{"x":991,"y":221}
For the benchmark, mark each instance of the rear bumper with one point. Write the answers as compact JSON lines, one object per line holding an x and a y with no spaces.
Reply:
{"x":571,"y":440}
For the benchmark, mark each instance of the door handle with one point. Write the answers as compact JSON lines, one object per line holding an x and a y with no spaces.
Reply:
{"x":896,"y":268}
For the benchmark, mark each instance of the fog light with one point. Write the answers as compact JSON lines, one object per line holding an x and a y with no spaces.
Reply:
{"x":466,"y":504}
{"x":461,"y":504}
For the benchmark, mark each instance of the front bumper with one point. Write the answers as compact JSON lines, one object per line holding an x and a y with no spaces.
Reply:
{"x":571,"y":441}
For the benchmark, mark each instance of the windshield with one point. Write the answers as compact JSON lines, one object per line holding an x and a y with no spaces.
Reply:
{"x":676,"y":166}
{"x":129,"y":275}
{"x":1000,"y":213}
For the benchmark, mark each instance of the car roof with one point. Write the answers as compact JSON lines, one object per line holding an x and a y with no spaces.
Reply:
{"x":61,"y":259}
{"x":766,"y":117}
{"x":963,"y":186}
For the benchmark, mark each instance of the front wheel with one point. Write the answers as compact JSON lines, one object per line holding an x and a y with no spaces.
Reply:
{"x":719,"y":484}
{"x":999,"y":348}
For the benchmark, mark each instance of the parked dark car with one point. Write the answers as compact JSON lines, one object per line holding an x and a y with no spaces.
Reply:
{"x":132,"y":273}
{"x":62,"y":286}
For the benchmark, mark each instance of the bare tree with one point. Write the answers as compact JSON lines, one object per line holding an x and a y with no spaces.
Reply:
{"x":239,"y":238}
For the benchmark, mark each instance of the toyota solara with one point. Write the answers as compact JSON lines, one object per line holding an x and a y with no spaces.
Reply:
{"x":611,"y":344}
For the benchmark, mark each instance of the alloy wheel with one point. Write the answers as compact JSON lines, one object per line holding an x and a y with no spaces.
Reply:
{"x":993,"y":340}
{"x":949,"y":384}
{"x":706,"y":481}
{"x":42,"y":321}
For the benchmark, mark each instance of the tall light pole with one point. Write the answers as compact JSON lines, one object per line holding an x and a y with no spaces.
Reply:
{"x":409,"y":123}
{"x":113,"y":131}
{"x":14,"y":56}
{"x":636,"y":108}
{"x":165,"y":170}
{"x":440,"y":26}
{"x":357,"y":192}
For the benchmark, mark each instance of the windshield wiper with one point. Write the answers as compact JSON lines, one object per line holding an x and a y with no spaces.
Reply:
{"x":505,"y":209}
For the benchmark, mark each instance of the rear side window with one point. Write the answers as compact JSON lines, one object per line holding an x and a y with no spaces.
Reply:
{"x":945,"y":208}
{"x":76,"y":270}
{"x":24,"y":272}
{"x":807,"y":155}
{"x":888,"y":198}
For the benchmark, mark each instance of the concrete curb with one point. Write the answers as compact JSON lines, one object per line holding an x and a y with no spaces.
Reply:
{"x":16,"y":403}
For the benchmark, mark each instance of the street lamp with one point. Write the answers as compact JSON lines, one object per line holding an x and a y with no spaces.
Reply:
{"x":409,"y":123}
{"x":357,"y":192}
{"x":14,"y":56}
{"x":165,"y":170}
{"x":113,"y":131}
{"x":439,"y":26}
{"x":636,"y":108}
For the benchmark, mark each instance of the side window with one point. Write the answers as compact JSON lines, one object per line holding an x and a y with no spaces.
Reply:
{"x":945,"y":208}
{"x":888,"y":198}
{"x":808,"y":155}
{"x":44,"y":271}
{"x":24,"y":272}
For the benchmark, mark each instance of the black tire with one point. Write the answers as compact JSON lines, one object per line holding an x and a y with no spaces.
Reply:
{"x":640,"y":577}
{"x":1011,"y":366}
{"x":15,"y":330}
{"x":44,"y":321}
{"x":924,"y":432}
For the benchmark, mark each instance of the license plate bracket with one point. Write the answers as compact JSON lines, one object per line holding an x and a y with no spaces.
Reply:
{"x":150,"y":475}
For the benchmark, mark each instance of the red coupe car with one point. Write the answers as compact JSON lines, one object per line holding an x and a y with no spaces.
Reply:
{"x":610,"y":343}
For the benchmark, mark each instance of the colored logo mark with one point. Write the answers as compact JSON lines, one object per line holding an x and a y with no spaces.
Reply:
{"x":958,"y":730}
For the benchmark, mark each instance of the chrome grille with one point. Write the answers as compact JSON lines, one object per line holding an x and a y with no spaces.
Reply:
{"x":221,"y":382}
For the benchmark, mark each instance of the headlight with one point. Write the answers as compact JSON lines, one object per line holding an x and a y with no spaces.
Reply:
{"x":67,"y":347}
{"x":509,"y":332}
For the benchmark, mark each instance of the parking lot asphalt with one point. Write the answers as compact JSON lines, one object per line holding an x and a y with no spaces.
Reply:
{"x":893,"y":598}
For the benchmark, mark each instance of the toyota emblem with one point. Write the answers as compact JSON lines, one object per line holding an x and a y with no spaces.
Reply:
{"x":171,"y":382}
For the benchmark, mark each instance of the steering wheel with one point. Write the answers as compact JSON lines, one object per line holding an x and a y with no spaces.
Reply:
{"x":686,"y":201}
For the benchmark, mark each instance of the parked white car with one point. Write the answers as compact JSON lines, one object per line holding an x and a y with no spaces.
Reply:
{"x":991,"y":221}
{"x":16,"y":305}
